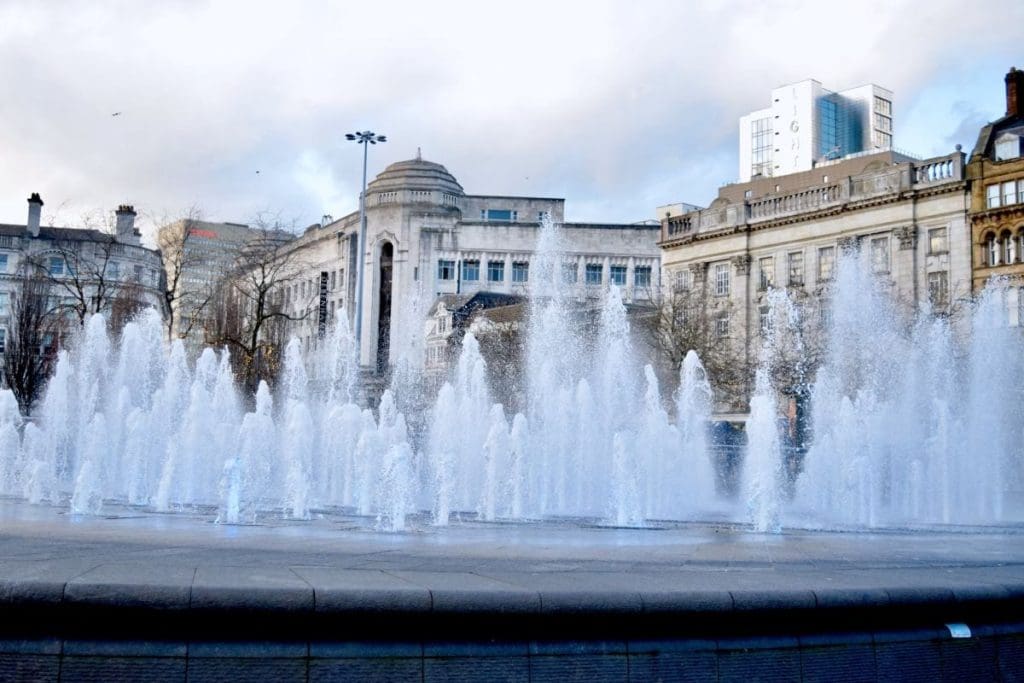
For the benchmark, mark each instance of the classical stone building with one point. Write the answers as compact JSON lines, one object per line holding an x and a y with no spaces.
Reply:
{"x":426,"y":237}
{"x":88,"y":270}
{"x":996,"y":174}
{"x":907,"y":218}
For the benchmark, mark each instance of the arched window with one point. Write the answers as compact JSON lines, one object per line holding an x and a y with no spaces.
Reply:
{"x":1009,"y":247}
{"x":1020,"y":244}
{"x":992,"y":249}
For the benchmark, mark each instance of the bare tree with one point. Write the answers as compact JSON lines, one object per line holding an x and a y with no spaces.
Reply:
{"x":502,"y":336}
{"x":81,"y":267}
{"x":32,"y":338}
{"x":185,"y":298}
{"x":684,"y":320}
{"x":126,"y":305}
{"x":248,"y":314}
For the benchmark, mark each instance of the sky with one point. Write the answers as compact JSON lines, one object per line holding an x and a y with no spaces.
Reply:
{"x":240,"y":109}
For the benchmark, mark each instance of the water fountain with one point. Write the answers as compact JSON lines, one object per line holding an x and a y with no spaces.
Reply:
{"x":580,"y":507}
{"x":132,"y":423}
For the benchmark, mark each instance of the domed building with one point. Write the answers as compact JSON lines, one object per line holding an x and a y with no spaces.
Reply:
{"x":426,"y":238}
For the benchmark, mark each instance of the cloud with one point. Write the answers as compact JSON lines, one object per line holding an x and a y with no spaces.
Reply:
{"x":616,"y":106}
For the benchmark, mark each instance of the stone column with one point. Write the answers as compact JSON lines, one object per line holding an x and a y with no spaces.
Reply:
{"x":741,"y":297}
{"x":904,"y":265}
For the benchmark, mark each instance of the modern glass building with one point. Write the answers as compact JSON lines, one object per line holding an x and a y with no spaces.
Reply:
{"x":807,"y":124}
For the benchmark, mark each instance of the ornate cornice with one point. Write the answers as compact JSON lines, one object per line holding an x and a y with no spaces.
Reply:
{"x":849,"y":244}
{"x":742,"y":264}
{"x":998,"y":218}
{"x":907,"y":235}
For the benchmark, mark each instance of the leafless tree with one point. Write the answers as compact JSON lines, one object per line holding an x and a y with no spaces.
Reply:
{"x":185,"y":299}
{"x":501,"y":333}
{"x":32,"y":337}
{"x":126,"y":305}
{"x":247,"y":312}
{"x":682,"y":320}
{"x":84,"y":275}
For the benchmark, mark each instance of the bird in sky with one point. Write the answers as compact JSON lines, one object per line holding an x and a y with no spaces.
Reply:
{"x":116,"y":113}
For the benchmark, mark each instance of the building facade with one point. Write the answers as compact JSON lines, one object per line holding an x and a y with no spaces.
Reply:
{"x":996,"y":174}
{"x":806,"y":124}
{"x":907,"y":218}
{"x":427,"y":238}
{"x":87,"y":270}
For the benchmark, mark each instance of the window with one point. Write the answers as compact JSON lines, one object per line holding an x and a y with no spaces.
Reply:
{"x":882,"y":140}
{"x":495,"y":271}
{"x":681,"y":280}
{"x":766,"y":273}
{"x":1009,"y":248}
{"x":114,"y":270}
{"x":541,"y":215}
{"x":471,"y":271}
{"x":938,"y":289}
{"x":520,"y":271}
{"x":137,"y":273}
{"x":992,"y":249}
{"x":56,"y":266}
{"x":3,"y":340}
{"x":765,"y":318}
{"x":445,"y":270}
{"x":642,"y":276}
{"x":747,"y":194}
{"x":826,"y":316}
{"x":1007,"y":147}
{"x":722,"y":326}
{"x":761,"y":147}
{"x":502,"y":215}
{"x":4,"y":298}
{"x":569,"y":273}
{"x":334,"y":275}
{"x":3,"y":263}
{"x":1009,"y":193}
{"x":796,"y":268}
{"x":826,"y":263}
{"x":617,"y":275}
{"x":938,"y":241}
{"x":883,"y":106}
{"x":721,"y":279}
{"x":992,"y":196}
{"x":880,"y":255}
{"x":593,"y":273}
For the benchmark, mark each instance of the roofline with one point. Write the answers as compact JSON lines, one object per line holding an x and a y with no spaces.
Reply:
{"x":512,"y":196}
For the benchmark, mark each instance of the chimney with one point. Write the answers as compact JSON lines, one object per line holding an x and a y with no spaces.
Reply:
{"x":126,"y":231}
{"x":1014,"y":91}
{"x":35,"y":208}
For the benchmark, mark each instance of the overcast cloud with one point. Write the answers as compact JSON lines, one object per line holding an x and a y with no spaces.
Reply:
{"x":616,"y":106}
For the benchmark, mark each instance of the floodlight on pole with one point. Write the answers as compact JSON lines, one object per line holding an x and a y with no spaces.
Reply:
{"x":362,"y":138}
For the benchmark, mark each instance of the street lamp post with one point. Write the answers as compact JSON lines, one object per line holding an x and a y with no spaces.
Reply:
{"x":362,"y":138}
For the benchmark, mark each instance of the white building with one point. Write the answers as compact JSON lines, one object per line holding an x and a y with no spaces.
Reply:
{"x":807,"y":124}
{"x":426,"y":237}
{"x":87,"y":269}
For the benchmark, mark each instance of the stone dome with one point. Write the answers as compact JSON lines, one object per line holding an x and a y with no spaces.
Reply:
{"x":415,"y":174}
